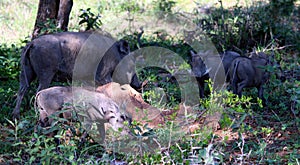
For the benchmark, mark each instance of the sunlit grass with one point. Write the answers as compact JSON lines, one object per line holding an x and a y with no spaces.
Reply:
{"x":17,"y":17}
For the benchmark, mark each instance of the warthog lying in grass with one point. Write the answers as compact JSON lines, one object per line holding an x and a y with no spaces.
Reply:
{"x":251,"y":72}
{"x":94,"y":106}
{"x":132,"y":102}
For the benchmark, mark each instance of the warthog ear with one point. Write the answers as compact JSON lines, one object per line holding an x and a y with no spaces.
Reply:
{"x":124,"y":47}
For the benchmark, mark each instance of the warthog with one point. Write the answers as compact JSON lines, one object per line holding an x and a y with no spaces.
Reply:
{"x":93,"y":106}
{"x":52,"y":57}
{"x":250,"y":72}
{"x":201,"y":71}
{"x":130,"y":100}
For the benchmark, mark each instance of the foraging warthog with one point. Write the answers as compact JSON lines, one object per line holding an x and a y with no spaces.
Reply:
{"x":202,"y":73}
{"x":52,"y":57}
{"x":250,"y":72}
{"x":130,"y":100}
{"x":94,"y":106}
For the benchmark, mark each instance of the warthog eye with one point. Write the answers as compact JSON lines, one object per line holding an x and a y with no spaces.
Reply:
{"x":44,"y":122}
{"x":46,"y":119}
{"x":123,"y":117}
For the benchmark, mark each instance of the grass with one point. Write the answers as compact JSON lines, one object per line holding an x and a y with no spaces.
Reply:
{"x":16,"y":19}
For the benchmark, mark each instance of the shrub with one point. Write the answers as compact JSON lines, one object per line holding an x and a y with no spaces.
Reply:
{"x":90,"y":20}
{"x":247,"y":27}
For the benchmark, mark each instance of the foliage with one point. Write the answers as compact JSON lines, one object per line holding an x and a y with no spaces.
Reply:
{"x":130,"y":6}
{"x":118,"y":6}
{"x":160,"y":79}
{"x":49,"y":27}
{"x":30,"y":147}
{"x":164,"y":6}
{"x":160,"y":91}
{"x":9,"y":76}
{"x":16,"y":20}
{"x":9,"y":60}
{"x":90,"y":20}
{"x":247,"y":27}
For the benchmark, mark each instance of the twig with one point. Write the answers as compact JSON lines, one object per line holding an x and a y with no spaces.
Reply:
{"x":282,"y":47}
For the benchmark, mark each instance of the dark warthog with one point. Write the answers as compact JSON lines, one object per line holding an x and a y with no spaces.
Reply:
{"x":93,"y":107}
{"x":251,"y":72}
{"x":52,"y":57}
{"x":200,"y":72}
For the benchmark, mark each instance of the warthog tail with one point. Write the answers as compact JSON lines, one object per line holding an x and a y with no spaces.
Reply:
{"x":25,"y":60}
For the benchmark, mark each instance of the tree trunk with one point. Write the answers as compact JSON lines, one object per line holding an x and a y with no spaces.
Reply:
{"x":52,"y":14}
{"x":64,"y":11}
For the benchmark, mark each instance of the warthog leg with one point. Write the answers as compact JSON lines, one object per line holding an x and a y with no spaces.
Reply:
{"x":45,"y":80}
{"x":21,"y":93}
{"x":240,"y":87}
{"x":26,"y":77}
{"x":260,"y":93}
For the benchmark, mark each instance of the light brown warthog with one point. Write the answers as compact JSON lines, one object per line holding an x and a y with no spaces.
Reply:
{"x":132,"y":102}
{"x":95,"y":106}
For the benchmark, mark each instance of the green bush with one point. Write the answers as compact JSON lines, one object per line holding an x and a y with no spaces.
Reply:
{"x":90,"y":20}
{"x":164,"y":6}
{"x":247,"y":27}
{"x":49,"y":27}
{"x":9,"y":61}
{"x":9,"y":77}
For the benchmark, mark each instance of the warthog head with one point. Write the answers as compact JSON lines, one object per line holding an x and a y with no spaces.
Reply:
{"x":199,"y":70}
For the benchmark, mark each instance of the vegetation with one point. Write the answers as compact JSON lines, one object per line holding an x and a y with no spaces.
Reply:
{"x":247,"y":132}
